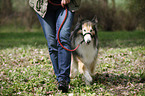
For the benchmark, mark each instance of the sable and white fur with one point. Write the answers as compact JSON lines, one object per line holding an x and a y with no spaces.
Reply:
{"x":84,"y":58}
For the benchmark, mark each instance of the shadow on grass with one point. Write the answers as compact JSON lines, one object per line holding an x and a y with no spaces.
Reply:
{"x":119,"y":83}
{"x":106,"y":39}
{"x":116,"y":79}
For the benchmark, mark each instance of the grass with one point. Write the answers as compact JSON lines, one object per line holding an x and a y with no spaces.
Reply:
{"x":26,"y":69}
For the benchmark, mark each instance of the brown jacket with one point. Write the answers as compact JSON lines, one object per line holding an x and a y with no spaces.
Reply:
{"x":40,"y":6}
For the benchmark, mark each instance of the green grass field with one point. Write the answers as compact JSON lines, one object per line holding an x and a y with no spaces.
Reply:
{"x":26,"y":69}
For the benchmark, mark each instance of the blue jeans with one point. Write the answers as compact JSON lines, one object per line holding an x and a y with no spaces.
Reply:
{"x":60,"y":58}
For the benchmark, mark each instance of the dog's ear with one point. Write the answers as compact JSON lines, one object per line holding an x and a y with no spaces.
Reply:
{"x":80,"y":18}
{"x":79,"y":32}
{"x":95,"y":19}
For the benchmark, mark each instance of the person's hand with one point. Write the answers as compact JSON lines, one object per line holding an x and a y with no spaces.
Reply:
{"x":64,"y":2}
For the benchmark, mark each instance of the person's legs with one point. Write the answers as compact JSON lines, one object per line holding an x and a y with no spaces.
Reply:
{"x":64,"y":56}
{"x":60,"y":58}
{"x":48,"y":24}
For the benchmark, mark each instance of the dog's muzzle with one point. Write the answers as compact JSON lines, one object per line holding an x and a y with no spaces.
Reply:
{"x":87,"y":37}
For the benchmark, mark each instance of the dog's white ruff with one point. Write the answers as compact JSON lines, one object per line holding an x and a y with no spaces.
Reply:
{"x":88,"y":52}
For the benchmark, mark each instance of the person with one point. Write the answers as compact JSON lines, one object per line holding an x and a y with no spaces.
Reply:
{"x":51,"y":17}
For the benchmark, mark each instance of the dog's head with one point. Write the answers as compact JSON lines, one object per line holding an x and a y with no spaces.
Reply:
{"x":88,"y":31}
{"x":87,"y":28}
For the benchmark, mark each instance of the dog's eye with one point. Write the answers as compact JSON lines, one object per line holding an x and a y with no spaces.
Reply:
{"x":91,"y":30}
{"x":84,"y":30}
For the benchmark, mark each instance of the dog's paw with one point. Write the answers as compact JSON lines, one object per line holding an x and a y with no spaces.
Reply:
{"x":88,"y":82}
{"x":88,"y":79}
{"x":88,"y":76}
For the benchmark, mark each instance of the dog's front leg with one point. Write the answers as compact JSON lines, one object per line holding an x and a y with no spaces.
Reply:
{"x":74,"y":67}
{"x":88,"y":77}
{"x":92,"y":67}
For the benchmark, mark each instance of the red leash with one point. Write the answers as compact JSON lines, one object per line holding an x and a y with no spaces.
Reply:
{"x":61,"y":27}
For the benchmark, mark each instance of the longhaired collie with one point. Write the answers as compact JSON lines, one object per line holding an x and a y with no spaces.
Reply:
{"x":84,"y":58}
